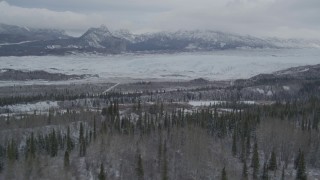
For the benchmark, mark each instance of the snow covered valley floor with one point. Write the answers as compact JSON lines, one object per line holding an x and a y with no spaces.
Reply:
{"x":217,"y":65}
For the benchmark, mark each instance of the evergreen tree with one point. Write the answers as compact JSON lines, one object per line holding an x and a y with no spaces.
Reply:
{"x":248,"y":145}
{"x":81,"y":133}
{"x":234,"y":143}
{"x":255,"y":161}
{"x":104,"y":111}
{"x":273,"y":162}
{"x":139,"y":168}
{"x":315,"y":124}
{"x":16,"y":151}
{"x":53,"y":144}
{"x":66,"y":159}
{"x":12,"y":151}
{"x":282,"y":174}
{"x":69,"y":140}
{"x":84,"y":147}
{"x":82,"y":141}
{"x":301,"y":170}
{"x":243,"y":149}
{"x":1,"y":158}
{"x":265,"y":175}
{"x":94,"y":128}
{"x":47,"y":143}
{"x":224,"y":174}
{"x":245,"y":171}
{"x":102,"y":175}
{"x":160,"y":152}
{"x":1,"y":165}
{"x":139,"y":105}
{"x":32,"y":146}
{"x":165,"y":163}
{"x":297,"y":159}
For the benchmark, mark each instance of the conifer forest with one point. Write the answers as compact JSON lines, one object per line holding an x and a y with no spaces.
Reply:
{"x":149,"y":130}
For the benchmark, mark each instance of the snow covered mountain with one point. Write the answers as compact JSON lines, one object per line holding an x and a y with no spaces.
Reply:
{"x":195,"y":40}
{"x":95,"y":40}
{"x":125,"y":35}
{"x":10,"y":34}
{"x":24,"y":41}
{"x":294,"y":43}
{"x":99,"y":38}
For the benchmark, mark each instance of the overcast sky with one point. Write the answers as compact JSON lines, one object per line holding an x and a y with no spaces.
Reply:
{"x":281,"y":18}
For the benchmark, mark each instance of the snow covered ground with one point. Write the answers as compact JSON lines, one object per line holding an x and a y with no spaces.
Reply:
{"x":209,"y":103}
{"x":216,"y":65}
{"x":30,"y":107}
{"x":205,"y":103}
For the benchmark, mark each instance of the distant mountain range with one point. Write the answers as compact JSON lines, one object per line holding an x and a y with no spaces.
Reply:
{"x":22,"y":41}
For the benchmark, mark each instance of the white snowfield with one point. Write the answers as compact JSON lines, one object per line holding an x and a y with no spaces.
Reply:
{"x":215,"y":65}
{"x":211,"y":103}
{"x":30,"y":107}
{"x":206,"y":103}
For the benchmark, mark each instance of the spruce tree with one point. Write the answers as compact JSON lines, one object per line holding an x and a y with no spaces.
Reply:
{"x":69,"y":140}
{"x":255,"y":161}
{"x":265,"y":175}
{"x":248,"y":145}
{"x":301,"y":170}
{"x":245,"y":171}
{"x":66,"y":160}
{"x":282,"y":174}
{"x":84,"y":147}
{"x":160,"y":152}
{"x":102,"y":175}
{"x":82,"y":141}
{"x":234,"y":143}
{"x":315,"y":124}
{"x":53,"y":144}
{"x":32,"y":146}
{"x":165,"y":163}
{"x":273,"y":161}
{"x":1,"y":158}
{"x":9,"y":151}
{"x":16,"y":151}
{"x":243,"y":149}
{"x":139,"y":168}
{"x":94,"y":128}
{"x":81,"y":136}
{"x":1,"y":165}
{"x":224,"y":174}
{"x":297,"y":159}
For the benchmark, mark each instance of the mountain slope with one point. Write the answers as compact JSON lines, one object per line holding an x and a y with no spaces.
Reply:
{"x":195,"y":40}
{"x":95,"y":40}
{"x":19,"y":41}
{"x":10,"y":34}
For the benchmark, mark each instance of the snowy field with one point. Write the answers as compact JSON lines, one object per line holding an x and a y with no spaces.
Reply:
{"x":42,"y":106}
{"x":210,"y":103}
{"x":217,"y":65}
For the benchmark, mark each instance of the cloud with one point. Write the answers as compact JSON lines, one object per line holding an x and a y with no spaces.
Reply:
{"x":41,"y":17}
{"x":284,"y":18}
{"x":68,"y":20}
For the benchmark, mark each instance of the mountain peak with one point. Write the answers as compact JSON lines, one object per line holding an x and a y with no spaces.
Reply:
{"x":100,"y":32}
{"x":103,"y":27}
{"x":94,"y":36}
{"x":124,"y":34}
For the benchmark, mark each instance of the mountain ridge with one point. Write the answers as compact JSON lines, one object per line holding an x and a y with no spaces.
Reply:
{"x":103,"y":41}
